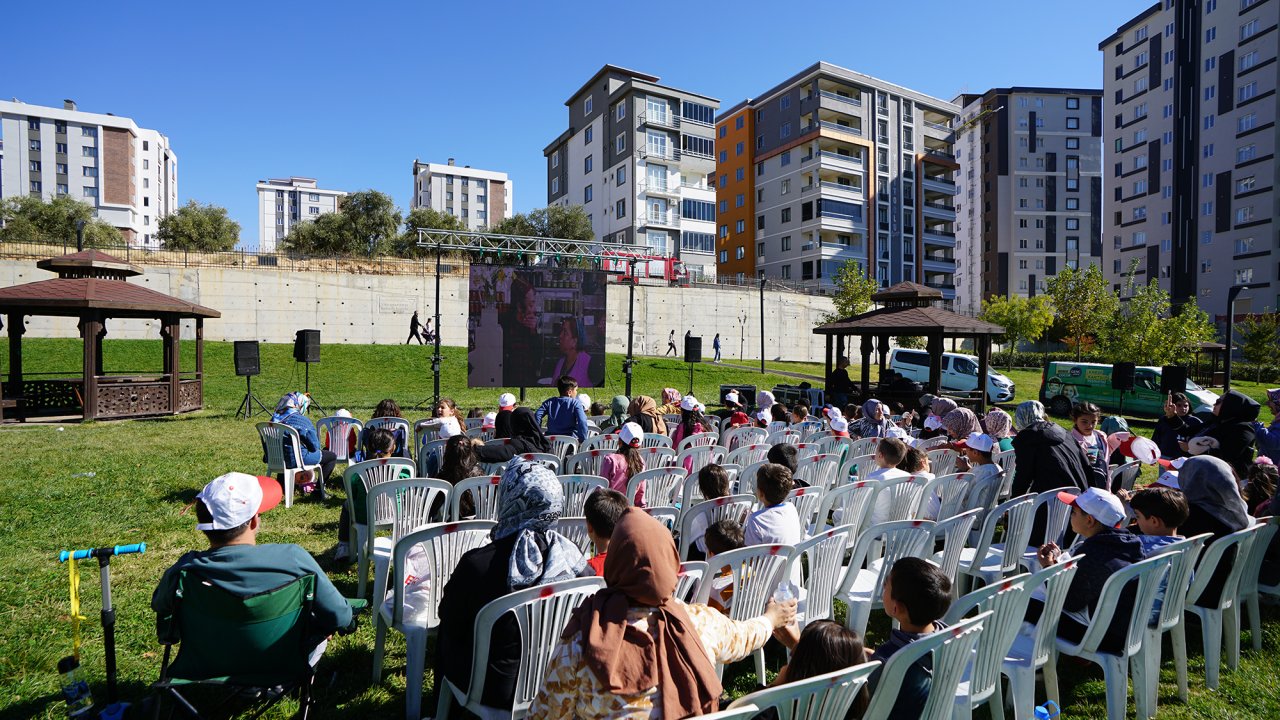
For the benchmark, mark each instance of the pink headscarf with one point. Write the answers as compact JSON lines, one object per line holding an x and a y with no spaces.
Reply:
{"x":998,"y":423}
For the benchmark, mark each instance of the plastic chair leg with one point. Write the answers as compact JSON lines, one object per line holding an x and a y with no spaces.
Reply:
{"x":1211,"y":632}
{"x":1149,"y":657}
{"x":858,"y":615}
{"x":362,"y":560}
{"x":288,"y":488}
{"x":379,"y":644}
{"x":996,"y":703}
{"x":1231,"y":630}
{"x":1255,"y":619}
{"x":1145,"y":687}
{"x":1178,"y":636}
{"x":1050,"y":679}
{"x":1117,"y":687}
{"x":414,"y":668}
{"x":760,"y":667}
{"x":381,"y":573}
{"x":1022,"y":690}
{"x":442,"y":704}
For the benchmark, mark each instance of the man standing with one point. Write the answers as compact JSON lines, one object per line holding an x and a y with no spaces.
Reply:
{"x":228,"y":512}
{"x":715,"y":345}
{"x":414,"y":327}
{"x":671,"y":344}
{"x":839,"y":385}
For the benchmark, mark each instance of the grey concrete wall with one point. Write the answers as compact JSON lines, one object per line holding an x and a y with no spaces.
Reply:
{"x":270,"y":305}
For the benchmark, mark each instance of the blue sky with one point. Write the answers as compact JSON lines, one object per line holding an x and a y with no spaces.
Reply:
{"x":351,"y":93}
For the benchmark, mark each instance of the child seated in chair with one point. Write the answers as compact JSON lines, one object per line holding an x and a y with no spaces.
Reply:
{"x":602,"y":510}
{"x":916,"y":594}
{"x":1158,"y":512}
{"x":723,"y":535}
{"x":713,"y":482}
{"x":889,"y":453}
{"x":776,"y":522}
{"x":379,"y":443}
{"x":823,"y":647}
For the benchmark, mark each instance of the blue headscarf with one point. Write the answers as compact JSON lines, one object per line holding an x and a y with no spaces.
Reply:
{"x":289,"y":404}
{"x":530,"y":501}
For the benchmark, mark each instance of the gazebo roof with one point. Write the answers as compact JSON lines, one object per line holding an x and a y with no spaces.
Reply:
{"x":909,"y":311}
{"x":89,"y":263}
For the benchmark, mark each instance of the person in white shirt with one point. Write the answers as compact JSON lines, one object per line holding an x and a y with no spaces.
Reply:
{"x":776,"y":522}
{"x":889,"y":453}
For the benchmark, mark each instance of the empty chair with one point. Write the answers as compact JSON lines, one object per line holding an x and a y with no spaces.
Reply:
{"x":340,"y":436}
{"x":863,"y":582}
{"x":821,"y":697}
{"x":405,"y":506}
{"x":1031,"y":652}
{"x":662,"y":486}
{"x":1220,"y":622}
{"x":1185,"y":553}
{"x":942,"y":461}
{"x":835,"y":444}
{"x":607,"y":442}
{"x":991,"y":560}
{"x":1007,"y":602}
{"x":576,"y":490}
{"x":575,"y":528}
{"x":1008,"y":462}
{"x":756,"y":571}
{"x":282,"y":459}
{"x":734,"y":438}
{"x":897,"y":499}
{"x":945,"y":495}
{"x":1251,"y":587}
{"x":484,"y":494}
{"x":655,"y":440}
{"x":695,"y":458}
{"x":562,"y":446}
{"x":689,"y":580}
{"x":846,"y":505}
{"x":954,"y":534}
{"x":823,"y":555}
{"x":656,"y":457}
{"x":952,"y":650}
{"x":820,"y":471}
{"x":1057,"y":518}
{"x":863,"y":446}
{"x":733,"y":507}
{"x":705,"y":439}
{"x":586,"y":462}
{"x":806,"y":449}
{"x":748,"y":454}
{"x":784,"y":435}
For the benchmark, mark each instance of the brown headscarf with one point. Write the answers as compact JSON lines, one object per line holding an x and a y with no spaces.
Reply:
{"x":645,"y":405}
{"x":641,"y":569}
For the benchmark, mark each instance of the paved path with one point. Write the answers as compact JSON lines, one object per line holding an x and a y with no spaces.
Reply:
{"x":800,"y":376}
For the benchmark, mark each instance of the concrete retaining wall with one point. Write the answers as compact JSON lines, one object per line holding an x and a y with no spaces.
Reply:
{"x":270,"y":305}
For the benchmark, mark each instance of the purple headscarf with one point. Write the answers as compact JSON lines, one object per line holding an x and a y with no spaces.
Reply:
{"x":998,"y":423}
{"x":941,"y":406}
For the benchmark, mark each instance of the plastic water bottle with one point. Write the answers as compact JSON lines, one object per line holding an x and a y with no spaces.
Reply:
{"x":1043,"y":712}
{"x":783,"y":592}
{"x":75,"y":691}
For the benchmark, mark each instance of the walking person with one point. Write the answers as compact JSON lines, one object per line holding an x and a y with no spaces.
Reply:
{"x":671,"y":344}
{"x":414,"y":330}
{"x":715,"y":345}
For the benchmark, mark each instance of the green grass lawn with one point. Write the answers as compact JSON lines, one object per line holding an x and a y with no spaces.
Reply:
{"x":146,"y":471}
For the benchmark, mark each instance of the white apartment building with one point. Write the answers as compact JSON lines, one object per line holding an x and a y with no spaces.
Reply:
{"x":481,"y":198}
{"x":639,"y":157}
{"x":128,"y":174}
{"x":285,"y":202}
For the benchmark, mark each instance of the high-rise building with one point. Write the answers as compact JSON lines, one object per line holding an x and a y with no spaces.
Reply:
{"x":1190,"y":131}
{"x":128,"y":174}
{"x":639,"y":157}
{"x":285,"y":202}
{"x":1030,"y":189}
{"x":480,"y":198}
{"x":832,"y":166}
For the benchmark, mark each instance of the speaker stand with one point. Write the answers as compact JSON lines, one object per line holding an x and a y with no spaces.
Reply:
{"x":251,"y":405}
{"x":690,"y":378}
{"x":306,"y":388}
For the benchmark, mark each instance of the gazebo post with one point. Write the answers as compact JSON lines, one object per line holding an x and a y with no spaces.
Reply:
{"x":17,"y":328}
{"x":827,"y":375}
{"x":867,"y":344}
{"x":97,"y":347}
{"x":984,"y":356}
{"x":172,"y":334}
{"x":882,"y":346}
{"x":89,"y":329}
{"x":200,"y":347}
{"x":935,"y":362}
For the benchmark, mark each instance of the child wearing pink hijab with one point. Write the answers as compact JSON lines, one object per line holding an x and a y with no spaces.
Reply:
{"x":999,"y":426}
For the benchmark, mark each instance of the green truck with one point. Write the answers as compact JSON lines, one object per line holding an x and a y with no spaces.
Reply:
{"x":1065,"y":383}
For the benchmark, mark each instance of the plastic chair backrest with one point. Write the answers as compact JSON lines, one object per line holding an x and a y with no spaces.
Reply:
{"x":393,"y":424}
{"x":405,"y":505}
{"x":562,"y":446}
{"x":748,"y":454}
{"x":258,"y":639}
{"x":1016,"y":516}
{"x":942,"y":460}
{"x":853,"y":504}
{"x":747,"y":478}
{"x":662,"y":486}
{"x":472,"y":423}
{"x":702,"y":439}
{"x":1007,"y":601}
{"x":608,"y":441}
{"x":541,"y":614}
{"x":984,"y":493}
{"x":576,"y":490}
{"x":784,"y":435}
{"x":668,"y":516}
{"x":444,"y":545}
{"x":336,"y":435}
{"x":427,"y":452}
{"x":655,"y":440}
{"x":859,"y":465}
{"x":821,"y":470}
{"x":586,"y":462}
{"x":806,"y":450}
{"x":273,"y":436}
{"x":1214,"y":554}
{"x":954,"y":532}
{"x":899,"y":539}
{"x":904,"y":496}
{"x":700,"y":456}
{"x":951,"y":648}
{"x":575,"y":528}
{"x":1008,"y":462}
{"x":952,"y":491}
{"x":1057,"y":518}
{"x":689,"y":580}
{"x":932,"y":443}
{"x":1056,"y":580}
{"x":746,"y":712}
{"x":484,"y":492}
{"x":733,"y":507}
{"x":806,"y":501}
{"x":863,"y":446}
{"x":1147,"y":573}
{"x":1185,"y":554}
{"x":824,"y":554}
{"x":672,"y":420}
{"x":756,"y":572}
{"x":841,"y":446}
{"x":373,"y":473}
{"x":1124,"y":476}
{"x":550,"y":461}
{"x":734,"y":438}
{"x":481,"y":434}
{"x":1249,"y":577}
{"x":656,"y":457}
{"x":821,"y":697}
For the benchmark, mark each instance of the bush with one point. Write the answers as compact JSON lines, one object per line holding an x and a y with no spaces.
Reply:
{"x":1021,"y":358}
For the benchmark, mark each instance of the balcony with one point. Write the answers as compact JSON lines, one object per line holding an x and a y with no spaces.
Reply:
{"x":937,"y":126}
{"x":837,"y":159}
{"x":936,"y":154}
{"x":930,"y":264}
{"x":939,"y":211}
{"x":940,"y":238}
{"x":839,"y":103}
{"x":667,"y":120}
{"x":696,"y":186}
{"x":842,"y":188}
{"x":939,"y":183}
{"x":656,"y":219}
{"x":696,"y":161}
{"x":663,"y":190}
{"x":841,"y":128}
{"x":658,"y":152}
{"x":941,"y":286}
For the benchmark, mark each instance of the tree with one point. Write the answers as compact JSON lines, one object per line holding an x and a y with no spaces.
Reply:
{"x":1022,"y":318}
{"x":1084,"y":301}
{"x":31,"y":219}
{"x":367,"y":224}
{"x":914,"y":342}
{"x":425,"y":218}
{"x":1258,"y":336}
{"x":554,"y":221}
{"x":198,"y":227}
{"x":853,"y":292}
{"x":1144,"y":329}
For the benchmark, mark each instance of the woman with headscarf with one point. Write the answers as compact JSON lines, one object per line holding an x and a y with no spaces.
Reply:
{"x":617,"y":414}
{"x":1046,"y":456}
{"x":292,"y":411}
{"x":525,"y":552}
{"x":941,"y":406}
{"x":633,"y":651}
{"x":873,"y":422}
{"x":523,"y":435}
{"x":643,"y":411}
{"x":1213,"y":498}
{"x":960,"y":423}
{"x":1231,"y":427}
{"x":670,"y":402}
{"x":999,"y":426}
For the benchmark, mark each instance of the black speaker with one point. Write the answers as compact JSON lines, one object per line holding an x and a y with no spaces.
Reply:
{"x":306,"y":346}
{"x":246,"y":354}
{"x":1173,"y":378}
{"x":1122,"y":376}
{"x":692,"y":349}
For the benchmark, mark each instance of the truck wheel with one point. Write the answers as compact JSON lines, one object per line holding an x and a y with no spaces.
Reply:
{"x":1060,"y":406}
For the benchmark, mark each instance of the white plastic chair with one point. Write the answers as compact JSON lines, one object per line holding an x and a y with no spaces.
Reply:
{"x":1124,"y":476}
{"x":785,"y":435}
{"x":954,"y":534}
{"x":951,"y":491}
{"x":562,"y":446}
{"x":734,"y":438}
{"x":1008,"y":462}
{"x":662,"y":486}
{"x":748,"y":454}
{"x":444,"y":546}
{"x":370,"y":474}
{"x":586,"y":462}
{"x":656,"y":457}
{"x":821,"y":697}
{"x":541,"y":613}
{"x":1007,"y":602}
{"x":1251,"y":587}
{"x":820,"y":471}
{"x":483,"y":434}
{"x":745,"y":712}
{"x":1147,"y":573}
{"x":942,"y":461}
{"x":1057,"y":518}
{"x":575,"y":528}
{"x":952,"y":649}
{"x":689,"y":580}
{"x":484,"y":494}
{"x":1031,"y":652}
{"x":858,"y":466}
{"x":841,"y":446}
{"x":824,"y":553}
{"x":756,"y":572}
{"x":392,"y":425}
{"x":607,"y":442}
{"x":897,"y":499}
{"x":863,"y":446}
{"x":806,"y":449}
{"x":1184,"y":553}
{"x":1221,"y":622}
{"x":549,"y":461}
{"x":990,"y":560}
{"x":747,"y":478}
{"x":576,"y":490}
{"x":846,"y":505}
{"x":427,"y":452}
{"x":668,"y":516}
{"x":703,"y":439}
{"x":405,"y":507}
{"x":338,"y":431}
{"x":700,"y":456}
{"x":733,"y":507}
{"x":672,"y":420}
{"x":931,"y":443}
{"x":655,"y":440}
{"x":806,"y":501}
{"x":864,"y":578}
{"x":273,"y":436}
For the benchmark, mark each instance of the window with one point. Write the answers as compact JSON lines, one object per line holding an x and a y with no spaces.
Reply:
{"x":739,"y":200}
{"x":785,"y":130}
{"x":738,"y":122}
{"x":34,"y":145}
{"x":786,"y":272}
{"x":35,"y":166}
{"x":587,"y":164}
{"x":1073,"y":143}
{"x":760,"y":250}
{"x":62,"y":169}
{"x":739,"y":174}
{"x":1073,"y":123}
{"x":1244,"y":246}
{"x":1210,"y":92}
{"x":1207,"y":151}
{"x":1168,"y":83}
{"x":620,"y":143}
{"x":620,"y":110}
{"x":555,"y":185}
{"x":311,"y":210}
{"x":739,"y":148}
{"x":89,"y":132}
{"x":586,"y":106}
{"x":759,"y":222}
{"x":622,"y":175}
{"x":62,"y":188}
{"x":1140,"y":110}
{"x":1210,"y":6}
{"x":1073,"y":103}
{"x":1073,"y":203}
{"x":89,"y":172}
{"x":785,"y":158}
{"x":698,"y":210}
{"x":1244,"y":185}
{"x":1248,"y":60}
{"x":620,"y":209}
{"x":786,"y":215}
{"x":1244,"y":214}
{"x":1206,"y":208}
{"x":1208,"y":121}
{"x":740,"y":226}
{"x":1074,"y":223}
{"x":588,"y":135}
{"x":1167,"y":111}
{"x":786,"y":243}
{"x":555,"y":159}
{"x":1244,"y":275}
{"x":91,"y":192}
{"x":60,"y":147}
{"x":1138,"y":35}
{"x":1248,"y":91}
{"x":786,"y":186}
{"x":1246,"y":153}
{"x":1206,"y":180}
{"x":724,"y":256}
{"x":724,"y":156}
{"x":739,"y":252}
{"x":1249,"y":29}
{"x":1246,"y":122}
{"x":1206,"y":237}
{"x":1022,"y":264}
{"x":1210,"y":34}
{"x":760,"y":169}
{"x":1139,"y":187}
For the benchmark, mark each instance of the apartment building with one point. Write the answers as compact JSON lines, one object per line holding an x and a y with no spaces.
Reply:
{"x":639,"y":157}
{"x":1189,"y":117}
{"x":1030,"y":189}
{"x":285,"y":202}
{"x":840,"y":166}
{"x":481,"y":198}
{"x":128,"y":174}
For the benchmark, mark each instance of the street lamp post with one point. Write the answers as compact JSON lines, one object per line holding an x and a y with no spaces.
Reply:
{"x":762,"y":281}
{"x":742,"y":328}
{"x":631,"y":324}
{"x":1231,"y":326}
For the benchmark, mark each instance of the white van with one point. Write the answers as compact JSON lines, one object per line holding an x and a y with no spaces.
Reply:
{"x":959,"y":372}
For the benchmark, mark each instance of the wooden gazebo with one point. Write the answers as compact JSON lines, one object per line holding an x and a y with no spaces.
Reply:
{"x":91,"y":286}
{"x":907,"y":309}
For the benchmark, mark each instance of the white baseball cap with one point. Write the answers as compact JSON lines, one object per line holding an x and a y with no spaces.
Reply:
{"x":933,"y":422}
{"x":1100,"y":504}
{"x":981,"y":442}
{"x":689,"y":403}
{"x":839,"y":424}
{"x":490,"y":419}
{"x":342,"y":413}
{"x":584,"y":400}
{"x":731,"y":397}
{"x":506,"y":401}
{"x":1202,"y":444}
{"x":233,"y":499}
{"x":1169,"y":479}
{"x":631,"y":434}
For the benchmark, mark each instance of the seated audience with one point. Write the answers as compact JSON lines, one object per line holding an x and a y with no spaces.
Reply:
{"x":1229,"y":433}
{"x":723,"y":535}
{"x":617,"y":414}
{"x":889,"y":453}
{"x":776,"y":522}
{"x":691,"y":421}
{"x":388,"y":408}
{"x":713,"y":482}
{"x":1260,"y":486}
{"x":292,"y":411}
{"x":379,"y":443}
{"x":602,"y":510}
{"x":1176,"y":427}
{"x":644,"y":412}
{"x":978,"y":449}
{"x":523,"y":435}
{"x":619,"y":467}
{"x":1084,"y":422}
{"x":564,"y":414}
{"x":1215,"y":506}
{"x":460,"y":461}
{"x":670,"y":403}
{"x":784,"y":454}
{"x":633,"y":650}
{"x":1046,"y":456}
{"x":824,"y":647}
{"x":999,"y":426}
{"x":1158,"y":512}
{"x":873,"y":423}
{"x":917,"y":595}
{"x":1268,"y":438}
{"x":1109,"y":426}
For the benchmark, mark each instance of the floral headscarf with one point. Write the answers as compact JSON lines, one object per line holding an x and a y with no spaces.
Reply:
{"x":531,"y":502}
{"x":998,"y":423}
{"x":670,"y":396}
{"x":289,"y":404}
{"x":961,"y":422}
{"x":1027,"y":414}
{"x":941,"y":406}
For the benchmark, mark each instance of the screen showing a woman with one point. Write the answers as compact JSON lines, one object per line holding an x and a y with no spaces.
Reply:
{"x":574,"y":361}
{"x":521,"y":343}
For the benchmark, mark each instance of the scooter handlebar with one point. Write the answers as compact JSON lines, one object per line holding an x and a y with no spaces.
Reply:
{"x":66,"y":555}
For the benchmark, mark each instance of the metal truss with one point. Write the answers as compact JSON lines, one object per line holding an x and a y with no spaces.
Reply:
{"x":520,"y":246}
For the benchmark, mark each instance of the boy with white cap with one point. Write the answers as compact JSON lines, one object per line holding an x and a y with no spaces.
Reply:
{"x":228,"y":512}
{"x":1096,"y":517}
